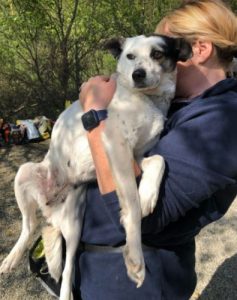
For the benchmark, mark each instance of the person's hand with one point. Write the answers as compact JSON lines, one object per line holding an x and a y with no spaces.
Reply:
{"x":97,"y":93}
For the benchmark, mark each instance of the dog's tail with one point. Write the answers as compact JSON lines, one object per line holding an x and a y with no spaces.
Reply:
{"x":53,"y":251}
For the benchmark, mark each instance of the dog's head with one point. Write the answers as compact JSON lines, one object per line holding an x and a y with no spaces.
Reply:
{"x":143,"y":62}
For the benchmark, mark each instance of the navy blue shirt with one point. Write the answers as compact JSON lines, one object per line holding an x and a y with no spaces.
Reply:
{"x":199,"y":145}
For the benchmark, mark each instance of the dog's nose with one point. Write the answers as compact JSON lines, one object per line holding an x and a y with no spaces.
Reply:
{"x":138,"y":75}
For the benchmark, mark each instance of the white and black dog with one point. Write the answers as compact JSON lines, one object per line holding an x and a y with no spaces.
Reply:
{"x":146,"y":77}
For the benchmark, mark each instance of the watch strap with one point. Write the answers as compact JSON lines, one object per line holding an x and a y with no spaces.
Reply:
{"x":92,"y":118}
{"x":102,"y":114}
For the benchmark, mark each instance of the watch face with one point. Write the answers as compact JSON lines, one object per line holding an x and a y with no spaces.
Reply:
{"x":90,"y":120}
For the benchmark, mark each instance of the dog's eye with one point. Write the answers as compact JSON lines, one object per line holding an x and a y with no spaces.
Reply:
{"x":156,"y":54}
{"x":130,"y":56}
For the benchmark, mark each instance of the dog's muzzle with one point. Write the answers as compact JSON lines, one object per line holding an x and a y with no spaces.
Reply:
{"x":139,"y":76}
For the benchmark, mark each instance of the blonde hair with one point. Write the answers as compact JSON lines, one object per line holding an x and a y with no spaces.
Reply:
{"x":209,"y":20}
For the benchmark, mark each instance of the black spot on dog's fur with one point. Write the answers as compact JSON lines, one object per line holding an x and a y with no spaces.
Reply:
{"x":76,"y":185}
{"x":115,"y":46}
{"x":173,"y":49}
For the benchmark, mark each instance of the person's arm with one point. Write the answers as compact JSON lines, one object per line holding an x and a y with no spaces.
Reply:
{"x":97,"y":94}
{"x":103,"y":172}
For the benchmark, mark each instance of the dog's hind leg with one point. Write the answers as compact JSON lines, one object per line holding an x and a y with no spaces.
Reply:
{"x":27,"y":206}
{"x":52,"y":238}
{"x":121,"y":162}
{"x":72,"y":216}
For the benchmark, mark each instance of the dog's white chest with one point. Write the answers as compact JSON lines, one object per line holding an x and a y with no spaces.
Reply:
{"x":139,"y":120}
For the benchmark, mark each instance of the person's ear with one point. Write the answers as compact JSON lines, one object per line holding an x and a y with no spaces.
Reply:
{"x":202,"y":51}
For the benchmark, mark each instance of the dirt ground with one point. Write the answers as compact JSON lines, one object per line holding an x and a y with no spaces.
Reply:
{"x":216,"y":245}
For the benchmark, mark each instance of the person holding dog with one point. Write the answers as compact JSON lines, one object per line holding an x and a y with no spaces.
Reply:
{"x":199,"y":146}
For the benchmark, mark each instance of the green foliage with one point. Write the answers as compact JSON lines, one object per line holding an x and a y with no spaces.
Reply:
{"x":49,"y":47}
{"x":233,"y":5}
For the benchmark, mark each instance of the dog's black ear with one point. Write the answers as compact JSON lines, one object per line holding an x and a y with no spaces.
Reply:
{"x":115,"y":46}
{"x":183,"y":49}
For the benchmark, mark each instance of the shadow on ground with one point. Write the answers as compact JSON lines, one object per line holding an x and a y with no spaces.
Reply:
{"x":20,"y":284}
{"x":223,"y":284}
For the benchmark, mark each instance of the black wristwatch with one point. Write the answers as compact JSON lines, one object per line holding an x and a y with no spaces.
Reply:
{"x":92,"y":118}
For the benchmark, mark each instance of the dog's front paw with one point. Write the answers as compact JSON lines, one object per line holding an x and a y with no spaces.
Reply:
{"x":148,"y":197}
{"x":153,"y":169}
{"x":134,"y":262}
